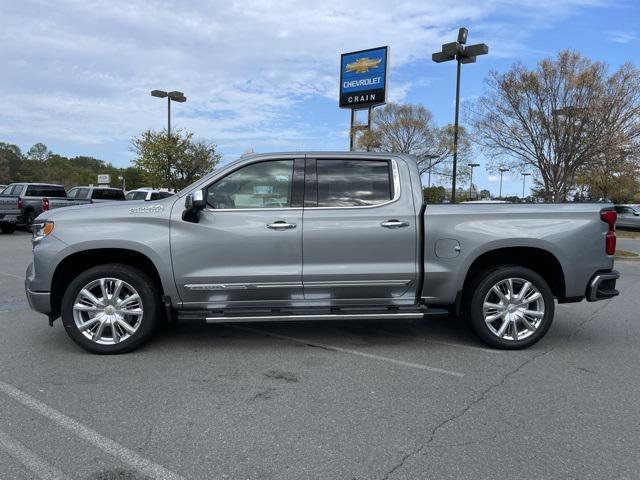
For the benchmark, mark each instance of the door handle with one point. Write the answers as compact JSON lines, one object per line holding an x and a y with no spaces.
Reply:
{"x":280,"y":225}
{"x":394,"y":224}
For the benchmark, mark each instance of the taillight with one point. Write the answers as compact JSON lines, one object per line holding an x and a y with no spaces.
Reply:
{"x":19,"y":203}
{"x":45,"y":204}
{"x":610,"y":217}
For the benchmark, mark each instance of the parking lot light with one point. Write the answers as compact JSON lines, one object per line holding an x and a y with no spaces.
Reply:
{"x":463,"y":55}
{"x":175,"y":96}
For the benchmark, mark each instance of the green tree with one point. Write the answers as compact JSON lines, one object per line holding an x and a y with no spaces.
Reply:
{"x":174,"y":161}
{"x":433,"y":194}
{"x":38,"y":152}
{"x":10,"y":162}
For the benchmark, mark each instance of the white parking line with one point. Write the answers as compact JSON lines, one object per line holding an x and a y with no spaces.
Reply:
{"x":38,"y":466}
{"x":349,"y":351}
{"x":12,"y":275}
{"x":144,"y":466}
{"x":440,"y":342}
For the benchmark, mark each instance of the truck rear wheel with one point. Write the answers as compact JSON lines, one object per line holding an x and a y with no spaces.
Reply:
{"x":111,"y":308}
{"x":511,"y":307}
{"x":7,"y":227}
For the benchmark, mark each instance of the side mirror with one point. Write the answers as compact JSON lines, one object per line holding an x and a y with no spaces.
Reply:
{"x":193,"y":203}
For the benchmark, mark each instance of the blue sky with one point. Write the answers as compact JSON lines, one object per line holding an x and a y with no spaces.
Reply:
{"x":263,"y":75}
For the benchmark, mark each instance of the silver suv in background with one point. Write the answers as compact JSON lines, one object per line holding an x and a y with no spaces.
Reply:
{"x":96,"y":194}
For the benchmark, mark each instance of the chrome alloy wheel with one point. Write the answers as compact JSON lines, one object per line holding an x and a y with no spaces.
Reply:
{"x":513,"y":309}
{"x":107,"y":311}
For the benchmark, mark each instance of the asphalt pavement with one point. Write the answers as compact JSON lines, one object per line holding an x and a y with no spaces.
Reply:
{"x":322,"y":400}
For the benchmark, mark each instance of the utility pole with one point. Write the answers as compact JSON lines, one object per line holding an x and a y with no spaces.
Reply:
{"x":502,"y":170}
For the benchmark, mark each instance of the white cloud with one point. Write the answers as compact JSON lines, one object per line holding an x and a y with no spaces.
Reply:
{"x":619,"y":36}
{"x":80,"y":71}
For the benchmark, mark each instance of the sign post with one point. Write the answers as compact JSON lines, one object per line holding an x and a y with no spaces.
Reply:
{"x":363,"y":84}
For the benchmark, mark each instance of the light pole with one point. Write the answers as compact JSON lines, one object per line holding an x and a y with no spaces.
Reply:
{"x":524,"y":179}
{"x":171,"y":96}
{"x":472,"y":166}
{"x":457,"y":51}
{"x":502,"y":170}
{"x":430,"y":157}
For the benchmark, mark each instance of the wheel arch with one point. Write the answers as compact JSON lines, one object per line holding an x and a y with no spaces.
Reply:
{"x":541,"y":261}
{"x":78,"y":262}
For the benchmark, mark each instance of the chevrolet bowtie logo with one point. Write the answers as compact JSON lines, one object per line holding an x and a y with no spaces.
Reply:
{"x":363,"y":65}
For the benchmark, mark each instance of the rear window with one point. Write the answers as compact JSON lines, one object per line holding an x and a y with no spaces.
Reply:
{"x":353,"y":183}
{"x":107,"y":194}
{"x":46,"y":191}
{"x":136,"y":196}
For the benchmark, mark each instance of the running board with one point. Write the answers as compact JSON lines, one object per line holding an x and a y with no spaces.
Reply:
{"x":330,"y":316}
{"x":290,"y":316}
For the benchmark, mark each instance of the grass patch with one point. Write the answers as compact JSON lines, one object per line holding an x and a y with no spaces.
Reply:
{"x":626,"y":254}
{"x":634,"y":234}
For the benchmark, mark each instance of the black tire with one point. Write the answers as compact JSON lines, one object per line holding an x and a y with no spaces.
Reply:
{"x":149,"y":297}
{"x":28,"y":217}
{"x":8,"y":228}
{"x":481,"y":287}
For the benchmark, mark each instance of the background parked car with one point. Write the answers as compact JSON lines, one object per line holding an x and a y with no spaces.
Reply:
{"x":147,"y":194}
{"x":96,"y":194}
{"x":628,"y":216}
{"x":31,"y":199}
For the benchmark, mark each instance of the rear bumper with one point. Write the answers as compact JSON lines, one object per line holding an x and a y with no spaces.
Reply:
{"x":8,"y":218}
{"x":602,"y":286}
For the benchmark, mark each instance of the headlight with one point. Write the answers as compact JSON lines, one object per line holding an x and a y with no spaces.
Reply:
{"x":41,"y":230}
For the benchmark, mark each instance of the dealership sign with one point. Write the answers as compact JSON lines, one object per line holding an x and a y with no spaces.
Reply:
{"x":363,"y":78}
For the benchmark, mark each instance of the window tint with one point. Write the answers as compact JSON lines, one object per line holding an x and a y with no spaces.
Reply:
{"x":46,"y":191}
{"x":107,"y":194}
{"x":165,"y":194}
{"x":353,"y":183}
{"x":136,"y":196}
{"x":155,"y":196}
{"x":259,"y":185}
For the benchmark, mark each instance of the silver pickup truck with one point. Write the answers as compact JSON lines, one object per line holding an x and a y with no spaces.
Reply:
{"x":309,"y":236}
{"x":29,"y":200}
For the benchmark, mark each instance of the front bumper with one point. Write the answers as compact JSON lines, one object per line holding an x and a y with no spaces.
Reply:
{"x":39,"y":301}
{"x":603,"y":286}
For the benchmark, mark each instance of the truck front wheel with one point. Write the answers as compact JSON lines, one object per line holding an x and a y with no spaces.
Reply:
{"x":511,"y":307}
{"x":111,"y":308}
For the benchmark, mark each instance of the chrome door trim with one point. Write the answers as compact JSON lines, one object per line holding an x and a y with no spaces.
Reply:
{"x":358,"y":283}
{"x":240,"y":286}
{"x":247,"y":286}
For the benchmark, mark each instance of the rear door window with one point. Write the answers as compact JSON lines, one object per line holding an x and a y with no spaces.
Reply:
{"x":136,"y":196}
{"x":354,"y":183}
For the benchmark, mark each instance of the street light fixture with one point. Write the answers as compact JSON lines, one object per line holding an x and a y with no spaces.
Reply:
{"x":472,"y":166}
{"x":502,"y":170}
{"x":174,"y":96}
{"x":458,"y":51}
{"x":524,"y":178}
